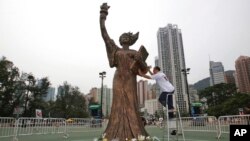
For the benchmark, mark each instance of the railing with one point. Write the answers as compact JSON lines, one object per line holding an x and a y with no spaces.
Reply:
{"x":226,"y":121}
{"x":31,"y":126}
{"x":84,"y":123}
{"x":10,"y":127}
{"x":203,"y":125}
{"x":7,"y":126}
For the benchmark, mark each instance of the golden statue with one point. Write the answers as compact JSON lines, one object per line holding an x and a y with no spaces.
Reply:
{"x":125,"y":121}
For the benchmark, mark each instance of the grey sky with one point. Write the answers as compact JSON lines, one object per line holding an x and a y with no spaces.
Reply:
{"x":61,"y":38}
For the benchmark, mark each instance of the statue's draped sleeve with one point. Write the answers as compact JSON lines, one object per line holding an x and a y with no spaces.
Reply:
{"x":111,"y":47}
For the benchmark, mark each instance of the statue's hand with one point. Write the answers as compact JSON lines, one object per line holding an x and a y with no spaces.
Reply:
{"x":104,"y":10}
{"x":149,"y":67}
{"x":140,"y":72}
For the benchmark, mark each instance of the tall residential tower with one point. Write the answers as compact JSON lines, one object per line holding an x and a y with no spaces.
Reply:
{"x":242,"y":65}
{"x":217,"y":74}
{"x":172,"y":61}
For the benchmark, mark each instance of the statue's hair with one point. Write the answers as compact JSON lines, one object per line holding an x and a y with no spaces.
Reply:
{"x":132,"y":37}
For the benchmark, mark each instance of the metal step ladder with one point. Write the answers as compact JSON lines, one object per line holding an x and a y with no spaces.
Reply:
{"x":173,"y":127}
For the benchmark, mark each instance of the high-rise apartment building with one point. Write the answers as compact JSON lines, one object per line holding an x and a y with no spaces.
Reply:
{"x":217,"y":74}
{"x":92,"y":96}
{"x":107,"y":101}
{"x":155,"y":90}
{"x":107,"y":98}
{"x":172,"y":61}
{"x":156,"y":61}
{"x":242,"y":65}
{"x":60,"y":90}
{"x":142,"y":92}
{"x":230,"y":76}
{"x":151,"y":92}
{"x":50,"y":96}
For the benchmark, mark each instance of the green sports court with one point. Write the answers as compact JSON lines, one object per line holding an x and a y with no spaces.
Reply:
{"x":88,"y":134}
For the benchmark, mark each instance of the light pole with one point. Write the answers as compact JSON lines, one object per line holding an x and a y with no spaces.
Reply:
{"x":102,"y":75}
{"x":186,"y":72}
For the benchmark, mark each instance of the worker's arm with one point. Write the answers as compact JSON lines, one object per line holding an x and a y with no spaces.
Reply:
{"x":150,"y":72}
{"x":144,"y":75}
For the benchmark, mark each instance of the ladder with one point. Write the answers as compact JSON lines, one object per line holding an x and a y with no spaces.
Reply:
{"x":173,"y":124}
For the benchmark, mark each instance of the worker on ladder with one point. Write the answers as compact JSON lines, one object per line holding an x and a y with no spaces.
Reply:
{"x":166,"y":99}
{"x":167,"y":89}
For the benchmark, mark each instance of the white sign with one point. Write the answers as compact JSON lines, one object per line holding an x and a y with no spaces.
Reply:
{"x":39,"y":113}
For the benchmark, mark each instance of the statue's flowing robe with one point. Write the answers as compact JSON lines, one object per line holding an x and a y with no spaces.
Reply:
{"x":125,"y":121}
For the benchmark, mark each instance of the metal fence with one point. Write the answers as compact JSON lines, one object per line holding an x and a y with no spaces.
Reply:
{"x":204,"y":126}
{"x":75,"y":123}
{"x":30,"y":126}
{"x":224,"y":123}
{"x":10,"y":127}
{"x":7,"y":126}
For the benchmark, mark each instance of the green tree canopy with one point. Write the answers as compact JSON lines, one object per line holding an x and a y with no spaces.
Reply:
{"x":9,"y":75}
{"x":223,"y":99}
{"x":70,"y":103}
{"x":20,"y":90}
{"x":218,"y":93}
{"x":26,"y":91}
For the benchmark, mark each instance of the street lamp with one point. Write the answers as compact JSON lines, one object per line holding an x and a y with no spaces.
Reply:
{"x":186,"y":72}
{"x":102,"y":75}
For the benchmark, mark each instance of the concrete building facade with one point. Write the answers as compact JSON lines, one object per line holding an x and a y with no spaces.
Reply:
{"x":106,"y":99}
{"x":217,"y":74}
{"x":142,"y":92}
{"x":50,"y":95}
{"x":230,"y":76}
{"x":242,"y":65}
{"x":172,"y":61}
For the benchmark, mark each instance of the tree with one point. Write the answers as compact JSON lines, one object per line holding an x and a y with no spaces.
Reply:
{"x":29,"y":81}
{"x":20,"y":90}
{"x":218,"y":93}
{"x":8,"y":79}
{"x":27,"y":92}
{"x":223,"y":99}
{"x":36,"y":100}
{"x":70,"y":103}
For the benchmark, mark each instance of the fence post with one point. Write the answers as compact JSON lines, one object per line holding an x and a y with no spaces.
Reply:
{"x":16,"y":125}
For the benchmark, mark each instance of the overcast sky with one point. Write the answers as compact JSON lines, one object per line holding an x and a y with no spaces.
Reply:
{"x":61,"y":39}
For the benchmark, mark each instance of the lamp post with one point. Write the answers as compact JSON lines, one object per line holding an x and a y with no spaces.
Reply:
{"x":186,"y":72}
{"x":102,"y":75}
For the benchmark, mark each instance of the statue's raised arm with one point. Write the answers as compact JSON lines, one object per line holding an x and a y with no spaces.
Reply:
{"x":110,"y":44}
{"x":103,"y":15}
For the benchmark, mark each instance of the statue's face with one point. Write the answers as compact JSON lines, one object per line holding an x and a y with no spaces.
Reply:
{"x":128,"y":39}
{"x":125,"y":40}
